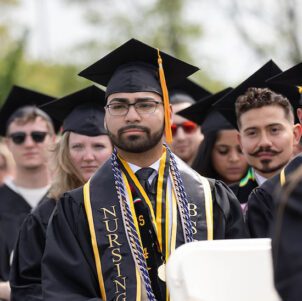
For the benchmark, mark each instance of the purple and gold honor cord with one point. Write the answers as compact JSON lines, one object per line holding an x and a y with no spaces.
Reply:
{"x":130,"y":226}
{"x":132,"y":233}
{"x":182,"y":199}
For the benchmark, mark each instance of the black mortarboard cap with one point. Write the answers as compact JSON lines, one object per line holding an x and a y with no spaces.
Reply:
{"x":190,"y":88}
{"x":290,"y":78}
{"x":133,"y":67}
{"x":290,"y":92}
{"x":199,"y":111}
{"x":137,"y":67}
{"x":215,"y":122}
{"x":19,"y":97}
{"x":81,"y":112}
{"x":226,"y":105}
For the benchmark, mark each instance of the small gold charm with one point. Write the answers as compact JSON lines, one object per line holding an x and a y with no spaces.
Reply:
{"x":162,"y":272}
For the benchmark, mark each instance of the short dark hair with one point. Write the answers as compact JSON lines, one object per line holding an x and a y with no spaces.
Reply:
{"x":30,"y":113}
{"x":255,"y":98}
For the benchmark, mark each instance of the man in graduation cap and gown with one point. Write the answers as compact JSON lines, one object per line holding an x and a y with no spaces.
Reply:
{"x":110,"y":239}
{"x":187,"y":135}
{"x":82,"y":116}
{"x":267,"y":132}
{"x":28,"y":133}
{"x":262,"y":201}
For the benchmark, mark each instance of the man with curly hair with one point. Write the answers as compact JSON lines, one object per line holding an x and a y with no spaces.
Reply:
{"x":268,"y":136}
{"x":263,"y":200}
{"x":267,"y":131}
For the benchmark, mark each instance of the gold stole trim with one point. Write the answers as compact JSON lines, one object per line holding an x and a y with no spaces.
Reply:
{"x":208,"y":207}
{"x":159,"y":195}
{"x":170,"y":247}
{"x":282,"y":177}
{"x":138,"y":285}
{"x":87,"y":204}
{"x":174,"y":222}
{"x":131,"y":204}
{"x":167,"y":217}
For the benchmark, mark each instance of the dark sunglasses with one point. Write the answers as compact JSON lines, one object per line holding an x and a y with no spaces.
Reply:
{"x":188,"y":127}
{"x":36,"y":136}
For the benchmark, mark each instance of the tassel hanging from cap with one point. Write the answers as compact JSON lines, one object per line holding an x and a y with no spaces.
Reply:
{"x":299,"y":89}
{"x":163,"y":84}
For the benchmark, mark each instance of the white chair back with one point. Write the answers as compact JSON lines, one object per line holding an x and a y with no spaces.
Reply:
{"x":222,"y":270}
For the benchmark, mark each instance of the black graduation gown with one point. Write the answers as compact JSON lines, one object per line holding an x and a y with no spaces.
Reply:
{"x":69,"y":270}
{"x":13,"y":210}
{"x":260,"y":209}
{"x":3,"y":250}
{"x":287,"y":247}
{"x":25,"y":273}
{"x":8,"y":233}
{"x":261,"y":203}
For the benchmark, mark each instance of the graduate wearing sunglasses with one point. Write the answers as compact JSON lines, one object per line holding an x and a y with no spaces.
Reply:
{"x":28,"y":133}
{"x":187,"y":135}
{"x":219,"y":156}
{"x":19,"y":137}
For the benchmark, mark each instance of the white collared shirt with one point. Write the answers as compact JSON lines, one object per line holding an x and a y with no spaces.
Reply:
{"x":259,"y":179}
{"x":154,"y":166}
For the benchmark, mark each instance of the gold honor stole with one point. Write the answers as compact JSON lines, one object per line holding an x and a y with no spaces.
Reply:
{"x":117,"y":268}
{"x":282,"y":177}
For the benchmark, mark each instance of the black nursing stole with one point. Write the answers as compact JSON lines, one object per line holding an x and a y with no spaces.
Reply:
{"x":118,"y":276}
{"x":196,"y":201}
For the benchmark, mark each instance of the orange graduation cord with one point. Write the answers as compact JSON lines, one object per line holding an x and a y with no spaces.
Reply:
{"x":163,"y":84}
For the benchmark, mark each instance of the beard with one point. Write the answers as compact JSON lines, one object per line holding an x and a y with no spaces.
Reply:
{"x":267,"y":169}
{"x":267,"y":166}
{"x":136,"y":143}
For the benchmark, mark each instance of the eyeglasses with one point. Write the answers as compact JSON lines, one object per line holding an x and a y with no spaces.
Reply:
{"x":141,"y":107}
{"x":189,"y":127}
{"x":36,"y":136}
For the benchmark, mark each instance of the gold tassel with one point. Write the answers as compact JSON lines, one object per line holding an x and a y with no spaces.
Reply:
{"x":299,"y":89}
{"x":163,"y":84}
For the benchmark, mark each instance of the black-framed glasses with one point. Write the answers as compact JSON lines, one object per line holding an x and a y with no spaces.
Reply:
{"x":36,"y":136}
{"x":141,"y":107}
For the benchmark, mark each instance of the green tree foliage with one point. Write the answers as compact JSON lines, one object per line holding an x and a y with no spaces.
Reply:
{"x":276,"y":30}
{"x":174,"y":31}
{"x":10,"y":52}
{"x":164,"y":23}
{"x":16,"y":68}
{"x":54,"y":79}
{"x":159,"y":22}
{"x":9,"y":66}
